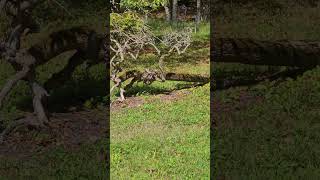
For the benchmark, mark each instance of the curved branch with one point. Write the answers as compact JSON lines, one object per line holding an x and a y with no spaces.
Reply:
{"x":39,"y":100}
{"x":28,"y":120}
{"x":12,"y":82}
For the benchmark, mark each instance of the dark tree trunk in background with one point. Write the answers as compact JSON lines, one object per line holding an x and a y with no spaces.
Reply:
{"x":168,"y":13}
{"x":198,"y":16}
{"x":174,"y":10}
{"x":168,"y":10}
{"x":205,"y":5}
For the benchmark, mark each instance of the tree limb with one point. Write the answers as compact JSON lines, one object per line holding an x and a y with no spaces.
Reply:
{"x":12,"y":82}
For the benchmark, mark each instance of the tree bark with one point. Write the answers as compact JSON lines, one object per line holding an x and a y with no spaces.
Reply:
{"x":174,"y":10}
{"x":256,"y":52}
{"x":198,"y":17}
{"x":11,"y":83}
{"x":137,"y":75}
{"x":168,"y":13}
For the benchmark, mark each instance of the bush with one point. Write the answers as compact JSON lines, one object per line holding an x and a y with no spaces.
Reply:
{"x":127,"y":21}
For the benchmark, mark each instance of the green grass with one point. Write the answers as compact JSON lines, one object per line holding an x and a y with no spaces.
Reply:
{"x":292,"y":22}
{"x":278,"y":137}
{"x":162,"y":140}
{"x":160,"y":26}
{"x":275,"y":136}
{"x":165,"y":139}
{"x":83,"y":89}
{"x":84,"y":163}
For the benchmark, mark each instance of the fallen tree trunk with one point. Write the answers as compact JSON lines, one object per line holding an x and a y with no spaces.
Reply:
{"x":148,"y":77}
{"x":139,"y":76}
{"x":277,"y":53}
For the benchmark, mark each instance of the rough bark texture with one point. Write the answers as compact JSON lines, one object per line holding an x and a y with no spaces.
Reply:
{"x":198,"y":17}
{"x":255,"y":52}
{"x":168,"y":14}
{"x":141,"y":76}
{"x":174,"y":10}
{"x":148,"y":77}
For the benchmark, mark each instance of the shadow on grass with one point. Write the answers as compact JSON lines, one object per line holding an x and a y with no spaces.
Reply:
{"x":225,"y":79}
{"x":154,"y":90}
{"x":71,"y":94}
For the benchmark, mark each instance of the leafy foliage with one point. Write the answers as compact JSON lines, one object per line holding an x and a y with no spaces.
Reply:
{"x":143,"y":5}
{"x":127,"y":21}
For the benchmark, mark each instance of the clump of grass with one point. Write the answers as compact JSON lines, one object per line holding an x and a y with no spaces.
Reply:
{"x":278,"y":136}
{"x":294,"y":23}
{"x":273,"y":134}
{"x":171,"y":144}
{"x":86,"y":163}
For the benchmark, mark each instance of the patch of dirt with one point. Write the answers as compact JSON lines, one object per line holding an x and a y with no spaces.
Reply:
{"x":173,"y":96}
{"x":219,"y":108}
{"x":69,"y":130}
{"x":132,"y":102}
{"x":129,"y":102}
{"x":72,"y":129}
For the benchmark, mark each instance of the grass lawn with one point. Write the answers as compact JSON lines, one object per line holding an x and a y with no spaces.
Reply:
{"x":269,"y":130}
{"x":37,"y":154}
{"x":165,"y":136}
{"x":162,"y":139}
{"x":85,"y":163}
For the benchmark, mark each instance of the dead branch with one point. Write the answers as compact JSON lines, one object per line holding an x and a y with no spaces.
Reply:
{"x":150,"y":76}
{"x":29,"y":120}
{"x":127,"y":45}
{"x":39,"y":100}
{"x":12,"y":82}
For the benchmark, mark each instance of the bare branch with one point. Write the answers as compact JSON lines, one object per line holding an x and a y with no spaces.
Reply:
{"x":126,"y":45}
{"x":28,"y":120}
{"x":12,"y":82}
{"x":39,"y":99}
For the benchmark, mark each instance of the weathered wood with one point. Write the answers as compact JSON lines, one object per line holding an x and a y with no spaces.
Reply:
{"x":277,"y":53}
{"x":168,"y":76}
{"x":11,"y":83}
{"x":187,"y":77}
{"x":40,"y":102}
